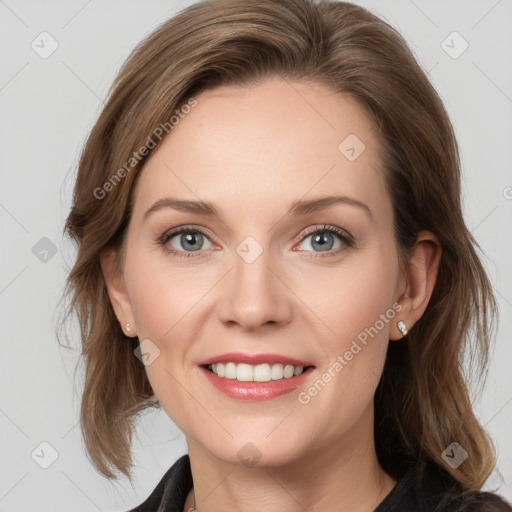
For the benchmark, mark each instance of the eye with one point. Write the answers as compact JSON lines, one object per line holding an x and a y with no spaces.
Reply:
{"x":189,"y":241}
{"x":328,"y":239}
{"x":185,"y":240}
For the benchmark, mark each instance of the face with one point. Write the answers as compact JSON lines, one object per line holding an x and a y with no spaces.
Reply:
{"x":275,"y":271}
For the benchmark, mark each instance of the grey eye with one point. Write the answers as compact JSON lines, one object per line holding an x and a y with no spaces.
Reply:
{"x":321,"y":241}
{"x":190,"y":241}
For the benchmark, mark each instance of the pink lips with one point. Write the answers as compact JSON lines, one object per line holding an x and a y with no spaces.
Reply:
{"x":251,"y":391}
{"x":256,"y":390}
{"x":240,"y":357}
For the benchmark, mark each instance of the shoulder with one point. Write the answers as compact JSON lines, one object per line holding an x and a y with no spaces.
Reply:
{"x":476,"y":502}
{"x":170,"y":493}
{"x":428,"y":488}
{"x":484,"y":502}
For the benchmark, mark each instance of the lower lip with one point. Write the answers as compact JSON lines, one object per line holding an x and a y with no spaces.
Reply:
{"x":256,"y":390}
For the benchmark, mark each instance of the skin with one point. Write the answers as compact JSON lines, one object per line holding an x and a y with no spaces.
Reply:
{"x":253,"y":151}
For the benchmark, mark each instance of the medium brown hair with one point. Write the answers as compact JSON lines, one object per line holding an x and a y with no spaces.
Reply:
{"x":422,"y":403}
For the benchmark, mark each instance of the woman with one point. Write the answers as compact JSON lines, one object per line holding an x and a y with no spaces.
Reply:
{"x":271,"y":248}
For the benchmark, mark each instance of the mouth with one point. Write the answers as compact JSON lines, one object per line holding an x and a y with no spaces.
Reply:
{"x":250,"y":383}
{"x":265,"y":372}
{"x":252,"y":377}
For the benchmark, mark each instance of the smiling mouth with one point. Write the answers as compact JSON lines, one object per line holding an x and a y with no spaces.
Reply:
{"x":265,"y":372}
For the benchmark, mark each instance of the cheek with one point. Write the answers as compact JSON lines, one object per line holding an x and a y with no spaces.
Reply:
{"x":164,"y":298}
{"x":359,"y":312}
{"x":352,"y":299}
{"x":358,"y":309}
{"x":163,"y":303}
{"x":167,"y":305}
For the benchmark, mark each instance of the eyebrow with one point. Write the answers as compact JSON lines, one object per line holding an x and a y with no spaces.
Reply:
{"x":297,"y":208}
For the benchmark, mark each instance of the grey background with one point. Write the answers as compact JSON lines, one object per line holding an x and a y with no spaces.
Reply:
{"x":47,"y":107}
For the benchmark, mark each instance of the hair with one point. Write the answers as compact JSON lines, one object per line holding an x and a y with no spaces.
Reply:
{"x":422,"y":403}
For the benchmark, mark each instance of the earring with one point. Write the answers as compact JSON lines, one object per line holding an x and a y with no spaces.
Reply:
{"x":401,"y":326}
{"x":128,"y":327}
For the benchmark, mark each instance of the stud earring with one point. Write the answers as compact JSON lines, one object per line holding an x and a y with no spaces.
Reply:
{"x":401,"y":326}
{"x":128,"y":327}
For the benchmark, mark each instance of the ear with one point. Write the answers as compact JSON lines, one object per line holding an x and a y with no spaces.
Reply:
{"x":116,"y":287}
{"x":420,"y":278}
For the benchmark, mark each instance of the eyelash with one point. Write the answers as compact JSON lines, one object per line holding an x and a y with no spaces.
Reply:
{"x":345,"y":237}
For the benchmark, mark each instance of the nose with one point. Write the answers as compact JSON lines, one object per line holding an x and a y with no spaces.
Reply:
{"x":255,"y":294}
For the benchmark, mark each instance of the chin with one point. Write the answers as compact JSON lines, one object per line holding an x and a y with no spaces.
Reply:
{"x":258,"y":452}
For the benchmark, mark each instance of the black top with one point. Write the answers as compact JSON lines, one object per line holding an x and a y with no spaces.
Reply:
{"x":417,"y":490}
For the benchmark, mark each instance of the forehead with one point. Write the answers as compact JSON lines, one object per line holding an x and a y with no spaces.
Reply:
{"x":267,"y":144}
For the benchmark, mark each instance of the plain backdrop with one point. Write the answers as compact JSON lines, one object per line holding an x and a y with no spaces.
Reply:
{"x":47,"y":107}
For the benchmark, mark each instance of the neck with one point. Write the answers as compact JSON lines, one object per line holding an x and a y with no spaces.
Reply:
{"x":337,"y":476}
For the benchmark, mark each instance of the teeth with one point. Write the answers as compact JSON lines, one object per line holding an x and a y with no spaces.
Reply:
{"x":256,"y":373}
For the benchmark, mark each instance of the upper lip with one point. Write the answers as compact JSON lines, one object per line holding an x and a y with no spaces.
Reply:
{"x":253,"y":359}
